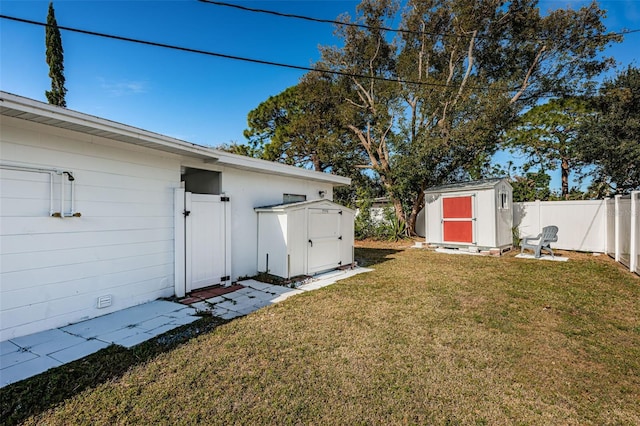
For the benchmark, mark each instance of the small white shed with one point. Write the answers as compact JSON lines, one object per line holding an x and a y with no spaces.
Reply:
{"x":304,"y":238}
{"x":477,"y":215}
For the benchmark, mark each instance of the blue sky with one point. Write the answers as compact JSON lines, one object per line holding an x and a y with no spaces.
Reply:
{"x":201,"y":99}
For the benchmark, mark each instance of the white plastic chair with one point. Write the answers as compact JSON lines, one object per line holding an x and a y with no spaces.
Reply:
{"x":541,"y":242}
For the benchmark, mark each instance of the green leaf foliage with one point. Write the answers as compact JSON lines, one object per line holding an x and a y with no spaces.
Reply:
{"x":530,"y":187}
{"x":610,"y":139}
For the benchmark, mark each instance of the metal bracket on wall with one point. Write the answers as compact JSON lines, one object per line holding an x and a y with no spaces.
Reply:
{"x":224,"y":199}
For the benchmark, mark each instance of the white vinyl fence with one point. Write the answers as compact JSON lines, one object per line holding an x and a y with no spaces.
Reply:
{"x":609,"y":226}
{"x":581,"y":224}
{"x":624,"y":246}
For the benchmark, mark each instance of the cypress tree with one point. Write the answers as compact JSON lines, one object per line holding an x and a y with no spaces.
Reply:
{"x":55,"y":60}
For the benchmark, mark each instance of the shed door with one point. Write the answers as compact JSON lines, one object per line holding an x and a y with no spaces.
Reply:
{"x":205,"y":245}
{"x":457,"y":219}
{"x":324,"y":240}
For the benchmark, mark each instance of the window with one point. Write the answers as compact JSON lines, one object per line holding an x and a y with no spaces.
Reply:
{"x":293,"y":198}
{"x":504,"y":201}
{"x":201,"y":181}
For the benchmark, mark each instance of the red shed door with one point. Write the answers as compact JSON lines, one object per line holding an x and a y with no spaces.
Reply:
{"x":457,"y":219}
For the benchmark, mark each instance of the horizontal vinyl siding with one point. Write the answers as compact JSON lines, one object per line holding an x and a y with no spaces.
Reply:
{"x":54,"y":269}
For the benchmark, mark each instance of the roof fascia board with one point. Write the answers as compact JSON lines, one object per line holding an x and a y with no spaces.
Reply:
{"x":136,"y":136}
{"x":41,"y":109}
{"x":302,"y":205}
{"x":470,"y":186}
{"x":249,"y":163}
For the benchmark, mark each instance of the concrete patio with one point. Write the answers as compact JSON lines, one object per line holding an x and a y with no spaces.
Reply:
{"x":27,"y":356}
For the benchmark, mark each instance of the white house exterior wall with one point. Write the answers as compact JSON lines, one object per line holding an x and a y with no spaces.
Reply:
{"x":54,"y":269}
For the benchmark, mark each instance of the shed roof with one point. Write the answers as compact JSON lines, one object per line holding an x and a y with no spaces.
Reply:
{"x":466,"y":186}
{"x":300,"y":204}
{"x":39,"y":112}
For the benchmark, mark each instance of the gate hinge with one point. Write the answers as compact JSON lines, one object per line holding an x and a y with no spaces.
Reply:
{"x":224,"y":198}
{"x":340,"y":237}
{"x":225,"y":278}
{"x":186,"y":213}
{"x":340,"y":212}
{"x":340,"y":263}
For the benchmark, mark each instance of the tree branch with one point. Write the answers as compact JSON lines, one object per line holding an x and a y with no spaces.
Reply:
{"x":366,"y":144}
{"x":525,"y":83}
{"x":452,"y":67}
{"x":469,"y":66}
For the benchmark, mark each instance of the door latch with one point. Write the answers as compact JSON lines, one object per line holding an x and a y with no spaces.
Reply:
{"x":311,"y":242}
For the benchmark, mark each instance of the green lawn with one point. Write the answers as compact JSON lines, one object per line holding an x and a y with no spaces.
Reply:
{"x":426,"y":338}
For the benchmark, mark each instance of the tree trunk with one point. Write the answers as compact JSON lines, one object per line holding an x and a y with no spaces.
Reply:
{"x":564,"y":167}
{"x":316,"y":162}
{"x":397,"y":203}
{"x":418,"y":204}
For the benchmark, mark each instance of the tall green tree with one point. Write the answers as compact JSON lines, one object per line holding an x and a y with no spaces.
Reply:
{"x":298,"y":127}
{"x":610,"y":139}
{"x":55,"y":60}
{"x":457,"y":75}
{"x":546,"y":135}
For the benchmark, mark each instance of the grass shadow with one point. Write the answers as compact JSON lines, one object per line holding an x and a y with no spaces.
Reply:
{"x":366,"y":256}
{"x":39,"y":393}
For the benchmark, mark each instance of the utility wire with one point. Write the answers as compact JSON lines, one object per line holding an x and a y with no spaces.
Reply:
{"x":237,"y":58}
{"x":396,"y":30}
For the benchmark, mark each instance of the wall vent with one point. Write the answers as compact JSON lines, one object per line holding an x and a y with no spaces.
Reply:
{"x":104,"y":301}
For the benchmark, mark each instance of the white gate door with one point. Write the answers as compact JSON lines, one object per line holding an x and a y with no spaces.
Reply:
{"x":324,"y":240}
{"x":205,"y":245}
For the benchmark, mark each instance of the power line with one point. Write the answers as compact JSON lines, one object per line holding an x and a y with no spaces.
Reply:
{"x":382,"y":28}
{"x":234,"y":57}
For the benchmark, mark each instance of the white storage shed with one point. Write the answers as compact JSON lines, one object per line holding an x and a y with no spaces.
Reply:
{"x":477,"y":215}
{"x":304,"y":238}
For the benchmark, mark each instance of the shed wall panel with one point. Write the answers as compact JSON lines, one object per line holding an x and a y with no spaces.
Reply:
{"x":504,"y":215}
{"x":297,"y":242}
{"x":485,"y":218}
{"x":347,"y":232}
{"x":272,"y":250}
